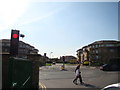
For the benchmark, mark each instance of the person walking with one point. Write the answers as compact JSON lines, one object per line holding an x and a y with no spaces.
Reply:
{"x":78,"y":75}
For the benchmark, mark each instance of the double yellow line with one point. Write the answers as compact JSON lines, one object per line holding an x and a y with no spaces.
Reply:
{"x":42,"y":86}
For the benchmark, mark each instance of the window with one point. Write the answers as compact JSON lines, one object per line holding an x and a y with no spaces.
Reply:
{"x":96,"y":51}
{"x":3,"y":44}
{"x":6,"y":50}
{"x":93,"y":51}
{"x":97,"y":56}
{"x":8,"y":44}
{"x":97,"y":46}
{"x":111,"y":50}
{"x":102,"y":45}
{"x":110,"y":45}
{"x":20,"y":46}
{"x":0,"y":44}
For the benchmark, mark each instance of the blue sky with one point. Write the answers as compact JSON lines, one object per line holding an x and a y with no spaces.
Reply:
{"x":60,"y":27}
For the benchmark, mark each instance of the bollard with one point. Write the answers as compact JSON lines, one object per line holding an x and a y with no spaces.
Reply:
{"x":62,"y":67}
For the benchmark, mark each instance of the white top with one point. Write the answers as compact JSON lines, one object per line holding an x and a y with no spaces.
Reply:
{"x":77,"y":72}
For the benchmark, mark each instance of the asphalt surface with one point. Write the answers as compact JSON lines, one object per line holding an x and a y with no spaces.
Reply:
{"x":93,"y":77}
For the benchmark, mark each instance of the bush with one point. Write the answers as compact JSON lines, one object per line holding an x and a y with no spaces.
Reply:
{"x":48,"y":64}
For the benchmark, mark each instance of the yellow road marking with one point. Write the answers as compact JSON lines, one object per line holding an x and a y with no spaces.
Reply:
{"x":42,"y":86}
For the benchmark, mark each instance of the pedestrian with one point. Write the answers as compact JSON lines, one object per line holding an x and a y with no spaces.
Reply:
{"x":78,"y":75}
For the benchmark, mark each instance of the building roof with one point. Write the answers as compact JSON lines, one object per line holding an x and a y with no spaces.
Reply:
{"x":8,"y":40}
{"x":105,"y":41}
{"x":5,"y":40}
{"x":100,"y":42}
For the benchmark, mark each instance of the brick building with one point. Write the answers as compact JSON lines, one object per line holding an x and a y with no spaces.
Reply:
{"x":69,"y":59}
{"x":23,"y":50}
{"x":99,"y":52}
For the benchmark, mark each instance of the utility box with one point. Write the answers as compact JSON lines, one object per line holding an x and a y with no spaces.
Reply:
{"x":20,"y":73}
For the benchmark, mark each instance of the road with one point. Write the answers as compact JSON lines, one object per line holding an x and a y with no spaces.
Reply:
{"x":53,"y":77}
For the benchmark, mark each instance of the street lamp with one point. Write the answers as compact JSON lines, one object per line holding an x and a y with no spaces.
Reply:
{"x":51,"y":54}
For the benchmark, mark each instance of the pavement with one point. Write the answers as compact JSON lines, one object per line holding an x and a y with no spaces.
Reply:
{"x":54,"y":77}
{"x":67,"y":67}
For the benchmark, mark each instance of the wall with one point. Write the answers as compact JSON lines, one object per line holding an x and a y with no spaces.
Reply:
{"x":36,"y":60}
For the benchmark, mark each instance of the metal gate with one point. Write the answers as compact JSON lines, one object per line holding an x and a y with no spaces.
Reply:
{"x":20,"y":73}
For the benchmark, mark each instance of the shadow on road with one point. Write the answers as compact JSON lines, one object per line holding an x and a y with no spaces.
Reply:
{"x":89,"y":85}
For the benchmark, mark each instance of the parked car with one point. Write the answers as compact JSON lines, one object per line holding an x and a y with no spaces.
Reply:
{"x":53,"y":62}
{"x":113,"y":64}
{"x":110,"y":67}
{"x":112,"y":87}
{"x":86,"y":63}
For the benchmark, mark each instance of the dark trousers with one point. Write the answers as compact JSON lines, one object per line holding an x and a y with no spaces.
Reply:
{"x":76,"y":78}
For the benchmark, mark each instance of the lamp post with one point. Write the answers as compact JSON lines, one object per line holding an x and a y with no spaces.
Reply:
{"x":51,"y":54}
